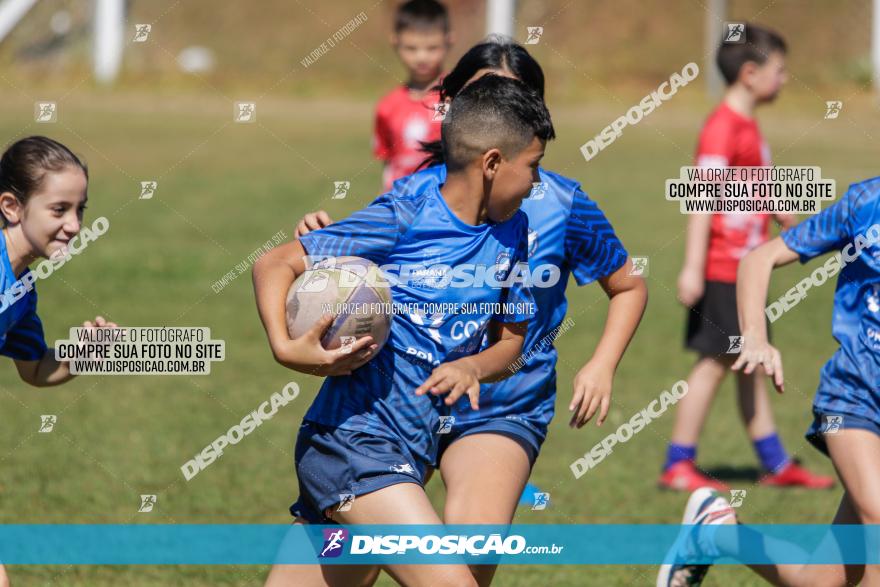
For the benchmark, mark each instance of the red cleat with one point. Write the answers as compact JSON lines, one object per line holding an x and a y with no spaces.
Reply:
{"x":794,"y":475}
{"x":684,"y":476}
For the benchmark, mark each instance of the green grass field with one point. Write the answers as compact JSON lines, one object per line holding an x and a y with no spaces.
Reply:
{"x":225,"y":188}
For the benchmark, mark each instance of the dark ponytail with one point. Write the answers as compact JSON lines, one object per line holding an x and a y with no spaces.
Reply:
{"x":25,"y":164}
{"x":496,"y":52}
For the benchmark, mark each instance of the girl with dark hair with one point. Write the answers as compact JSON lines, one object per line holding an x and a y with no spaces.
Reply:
{"x":43,"y":194}
{"x":43,"y":189}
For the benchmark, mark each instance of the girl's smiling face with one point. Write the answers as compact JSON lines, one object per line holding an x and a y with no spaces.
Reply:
{"x":53,"y":214}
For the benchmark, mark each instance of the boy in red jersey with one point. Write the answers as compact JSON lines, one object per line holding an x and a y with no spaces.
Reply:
{"x":755,"y":72}
{"x":408,"y":116}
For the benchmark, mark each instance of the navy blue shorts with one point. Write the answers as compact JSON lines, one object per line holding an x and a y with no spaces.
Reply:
{"x":332,"y":463}
{"x":831,"y":423}
{"x":528,"y":436}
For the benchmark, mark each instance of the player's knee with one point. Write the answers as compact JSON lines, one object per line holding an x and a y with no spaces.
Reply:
{"x":869,"y":514}
{"x":458,"y":578}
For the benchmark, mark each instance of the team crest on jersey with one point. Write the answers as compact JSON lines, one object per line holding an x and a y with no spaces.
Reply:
{"x":874,"y":300}
{"x":533,"y":241}
{"x":502,"y":262}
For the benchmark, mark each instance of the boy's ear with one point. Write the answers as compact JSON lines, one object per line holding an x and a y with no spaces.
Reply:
{"x":450,"y":39}
{"x":746,"y":71}
{"x":394,"y":39}
{"x":491,"y":160}
{"x":10,"y":207}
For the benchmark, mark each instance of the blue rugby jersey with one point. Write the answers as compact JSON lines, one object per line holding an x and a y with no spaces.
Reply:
{"x":569,"y":233}
{"x":848,"y":381}
{"x":21,"y":332}
{"x":418,"y":231}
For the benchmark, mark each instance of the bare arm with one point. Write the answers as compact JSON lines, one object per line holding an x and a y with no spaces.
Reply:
{"x":273,"y":274}
{"x":628,"y":297}
{"x":785,"y":220}
{"x":463,"y":376}
{"x":691,"y":280}
{"x":45,"y":372}
{"x":48,"y":371}
{"x":752,"y":284}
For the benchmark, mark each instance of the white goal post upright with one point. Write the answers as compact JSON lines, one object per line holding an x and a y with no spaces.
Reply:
{"x":500,"y":16}
{"x":12,"y":11}
{"x":108,"y":39}
{"x":875,"y":44}
{"x":716,"y":16}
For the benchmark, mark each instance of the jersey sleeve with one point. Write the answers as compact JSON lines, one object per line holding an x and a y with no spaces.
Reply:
{"x":592,"y":250}
{"x":829,"y":230}
{"x":518,"y":305}
{"x":715,"y":146}
{"x":25,"y":340}
{"x":370,"y":233}
{"x":382,"y":141}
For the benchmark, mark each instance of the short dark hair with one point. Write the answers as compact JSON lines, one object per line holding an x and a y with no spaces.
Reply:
{"x":24,"y":166}
{"x":421,"y":14}
{"x":759,"y":43}
{"x":493,"y":112}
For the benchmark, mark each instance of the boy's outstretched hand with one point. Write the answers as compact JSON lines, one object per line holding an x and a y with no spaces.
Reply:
{"x":456,"y":378}
{"x":306,"y":354}
{"x":592,"y":392}
{"x":761,"y":353}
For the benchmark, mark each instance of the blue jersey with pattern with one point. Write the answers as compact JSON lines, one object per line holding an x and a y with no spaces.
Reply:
{"x":568,"y":232}
{"x":21,"y":332}
{"x":441,"y":313}
{"x":848,"y":381}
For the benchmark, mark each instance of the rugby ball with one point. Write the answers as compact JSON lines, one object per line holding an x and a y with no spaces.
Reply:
{"x":354,"y":289}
